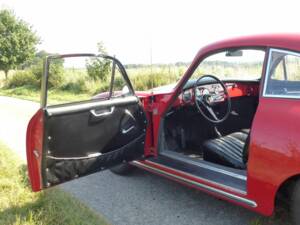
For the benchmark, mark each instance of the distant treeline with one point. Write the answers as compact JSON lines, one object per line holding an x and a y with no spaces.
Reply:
{"x":134,"y":66}
{"x":186,"y":64}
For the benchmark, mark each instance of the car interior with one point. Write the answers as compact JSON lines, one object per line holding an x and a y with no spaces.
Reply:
{"x":216,"y":135}
{"x":188,"y":132}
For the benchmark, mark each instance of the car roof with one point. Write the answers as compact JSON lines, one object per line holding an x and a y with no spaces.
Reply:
{"x":283,"y":41}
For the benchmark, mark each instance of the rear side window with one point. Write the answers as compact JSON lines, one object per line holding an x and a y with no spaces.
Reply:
{"x":283,"y":74}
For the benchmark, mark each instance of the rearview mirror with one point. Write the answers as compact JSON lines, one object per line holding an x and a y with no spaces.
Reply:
{"x":234,"y":53}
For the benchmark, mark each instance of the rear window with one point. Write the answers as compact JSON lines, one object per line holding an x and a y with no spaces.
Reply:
{"x":283,"y":74}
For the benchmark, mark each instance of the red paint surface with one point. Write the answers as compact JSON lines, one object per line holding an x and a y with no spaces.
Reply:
{"x":240,"y":89}
{"x":34,"y":142}
{"x":149,"y":151}
{"x":274,"y":149}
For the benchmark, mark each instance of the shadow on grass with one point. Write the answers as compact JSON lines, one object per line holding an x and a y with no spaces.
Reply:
{"x":53,"y":206}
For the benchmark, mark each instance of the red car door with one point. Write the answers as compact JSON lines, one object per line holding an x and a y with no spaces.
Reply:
{"x":72,"y":140}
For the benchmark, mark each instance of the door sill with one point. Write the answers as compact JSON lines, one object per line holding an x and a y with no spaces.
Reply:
{"x":236,"y":173}
{"x":174,"y":174}
{"x":228,"y":178}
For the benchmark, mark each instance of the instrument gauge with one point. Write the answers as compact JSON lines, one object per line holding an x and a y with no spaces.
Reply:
{"x":187,"y":96}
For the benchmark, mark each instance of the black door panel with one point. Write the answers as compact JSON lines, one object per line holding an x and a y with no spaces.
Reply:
{"x":60,"y":170}
{"x":88,"y":139}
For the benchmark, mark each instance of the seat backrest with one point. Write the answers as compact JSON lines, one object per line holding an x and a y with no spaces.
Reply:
{"x":246,"y":149}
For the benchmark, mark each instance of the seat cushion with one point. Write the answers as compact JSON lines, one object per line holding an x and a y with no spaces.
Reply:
{"x":228,"y":150}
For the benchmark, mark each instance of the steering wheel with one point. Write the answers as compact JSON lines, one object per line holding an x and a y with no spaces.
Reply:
{"x":209,"y":100}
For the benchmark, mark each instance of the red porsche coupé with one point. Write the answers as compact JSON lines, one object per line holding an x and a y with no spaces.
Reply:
{"x":229,"y":127}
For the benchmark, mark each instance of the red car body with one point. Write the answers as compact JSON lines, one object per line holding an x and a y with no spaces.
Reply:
{"x":274,"y":157}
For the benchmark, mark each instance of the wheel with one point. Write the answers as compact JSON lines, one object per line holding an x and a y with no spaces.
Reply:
{"x":295,"y":202}
{"x":122,"y":169}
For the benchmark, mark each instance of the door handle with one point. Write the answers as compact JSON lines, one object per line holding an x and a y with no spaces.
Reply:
{"x":125,"y":131}
{"x":107,"y":113}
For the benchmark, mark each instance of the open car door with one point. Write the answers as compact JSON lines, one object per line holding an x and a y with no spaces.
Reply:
{"x":77,"y":138}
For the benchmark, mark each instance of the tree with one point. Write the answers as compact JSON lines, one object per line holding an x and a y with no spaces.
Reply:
{"x":98,"y":68}
{"x":17,"y":41}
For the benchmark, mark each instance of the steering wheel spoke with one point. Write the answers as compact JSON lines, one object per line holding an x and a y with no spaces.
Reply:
{"x":211,"y":112}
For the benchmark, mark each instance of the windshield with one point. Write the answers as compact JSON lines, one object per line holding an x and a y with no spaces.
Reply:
{"x":233,"y":65}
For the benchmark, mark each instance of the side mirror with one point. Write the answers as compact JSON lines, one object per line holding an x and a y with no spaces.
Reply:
{"x":125,"y":90}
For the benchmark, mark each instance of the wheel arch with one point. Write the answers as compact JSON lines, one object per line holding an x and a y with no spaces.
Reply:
{"x":285,"y":188}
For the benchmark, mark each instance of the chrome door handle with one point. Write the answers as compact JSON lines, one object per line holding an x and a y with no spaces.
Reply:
{"x":107,"y":113}
{"x":125,"y":131}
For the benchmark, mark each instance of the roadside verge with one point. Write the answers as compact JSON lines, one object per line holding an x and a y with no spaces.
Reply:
{"x":19,"y":205}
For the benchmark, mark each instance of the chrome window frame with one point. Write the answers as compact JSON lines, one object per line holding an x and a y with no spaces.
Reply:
{"x":45,"y":77}
{"x":268,"y":71}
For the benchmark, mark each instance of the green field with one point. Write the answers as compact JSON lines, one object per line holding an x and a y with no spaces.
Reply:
{"x":76,"y":85}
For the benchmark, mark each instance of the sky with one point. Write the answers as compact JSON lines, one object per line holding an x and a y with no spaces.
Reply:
{"x":154,"y":31}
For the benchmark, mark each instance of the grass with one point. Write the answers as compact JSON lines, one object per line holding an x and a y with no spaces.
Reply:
{"x":24,"y":92}
{"x":32,"y":94}
{"x":19,"y":205}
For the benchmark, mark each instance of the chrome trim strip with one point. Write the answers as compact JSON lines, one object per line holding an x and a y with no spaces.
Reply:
{"x":282,"y":96}
{"x":125,"y":131}
{"x":202,"y":186}
{"x":44,"y":84}
{"x":93,"y":155}
{"x":268,"y":71}
{"x":82,"y":106}
{"x":200,"y":164}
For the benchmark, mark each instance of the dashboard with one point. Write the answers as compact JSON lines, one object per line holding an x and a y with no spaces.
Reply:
{"x":235,"y":89}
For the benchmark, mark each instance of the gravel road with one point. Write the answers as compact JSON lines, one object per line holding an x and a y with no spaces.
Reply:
{"x":138,"y":199}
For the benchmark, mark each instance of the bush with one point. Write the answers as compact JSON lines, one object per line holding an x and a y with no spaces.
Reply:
{"x":76,"y":86}
{"x":22,"y":78}
{"x":148,"y":80}
{"x":98,"y":69}
{"x":95,"y":88}
{"x":119,"y":83}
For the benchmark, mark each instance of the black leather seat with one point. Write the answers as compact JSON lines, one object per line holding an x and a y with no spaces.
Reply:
{"x":230,"y":150}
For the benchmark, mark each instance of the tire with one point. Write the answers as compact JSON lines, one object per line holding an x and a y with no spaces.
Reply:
{"x":123,"y":169}
{"x":295,"y":203}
